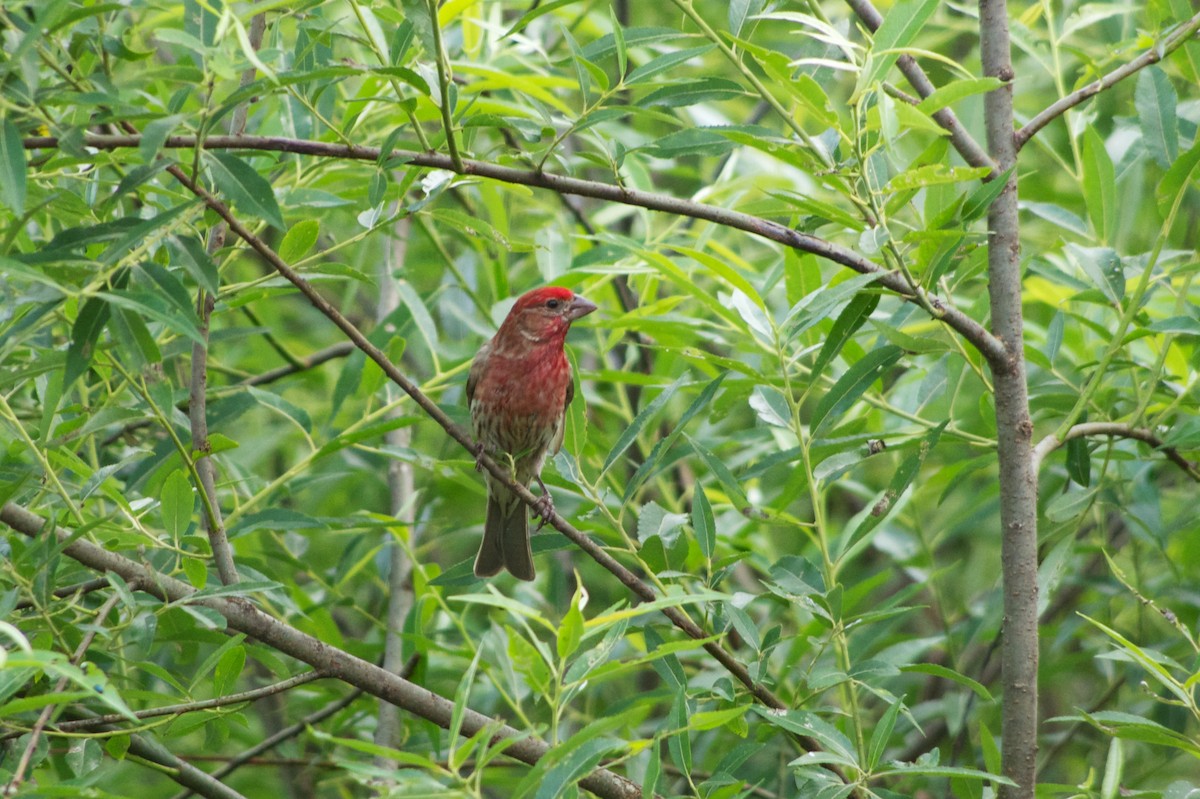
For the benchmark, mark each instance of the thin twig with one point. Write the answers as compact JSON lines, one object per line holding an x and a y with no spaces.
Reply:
{"x":1116,"y":430}
{"x":68,"y":590}
{"x":180,"y":709}
{"x":1172,"y":42}
{"x":992,"y":348}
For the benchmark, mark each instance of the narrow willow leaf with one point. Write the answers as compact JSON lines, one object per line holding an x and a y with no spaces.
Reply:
{"x":704,"y":90}
{"x":899,"y":29}
{"x":248,"y":190}
{"x":703,"y":522}
{"x":980,"y":200}
{"x":1156,"y":101}
{"x":639,"y":423}
{"x":740,"y":11}
{"x":12,"y":167}
{"x":949,"y":674}
{"x":881,"y":734}
{"x":663,"y":446}
{"x":176,"y":503}
{"x":1181,"y":177}
{"x":954,"y":91}
{"x":1099,"y":185}
{"x":664,"y":63}
{"x":852,"y":317}
{"x":822,"y":303}
{"x":851,"y":385}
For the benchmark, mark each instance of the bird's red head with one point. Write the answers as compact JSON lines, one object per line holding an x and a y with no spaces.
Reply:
{"x":545,"y":314}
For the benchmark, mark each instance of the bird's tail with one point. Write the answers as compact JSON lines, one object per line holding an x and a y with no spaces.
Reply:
{"x":505,"y":540}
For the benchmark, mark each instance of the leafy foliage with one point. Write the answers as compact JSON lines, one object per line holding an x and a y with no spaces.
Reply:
{"x":792,"y":455}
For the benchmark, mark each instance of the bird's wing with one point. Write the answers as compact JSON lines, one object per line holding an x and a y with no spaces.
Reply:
{"x":477,"y":367}
{"x":556,"y":443}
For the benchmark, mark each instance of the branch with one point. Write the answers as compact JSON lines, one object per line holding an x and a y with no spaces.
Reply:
{"x":1116,"y":430}
{"x":960,"y":138}
{"x":245,"y":617}
{"x":187,"y":707}
{"x":1165,"y":47}
{"x":1014,"y":428}
{"x":989,"y":346}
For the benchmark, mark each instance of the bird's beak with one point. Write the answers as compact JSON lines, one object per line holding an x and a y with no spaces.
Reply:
{"x":579,"y":306}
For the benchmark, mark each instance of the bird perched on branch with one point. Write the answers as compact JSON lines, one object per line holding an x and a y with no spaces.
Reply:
{"x":518,"y":389}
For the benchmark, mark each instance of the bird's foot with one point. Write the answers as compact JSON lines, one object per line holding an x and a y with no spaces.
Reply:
{"x":544,"y":507}
{"x":479,"y":450}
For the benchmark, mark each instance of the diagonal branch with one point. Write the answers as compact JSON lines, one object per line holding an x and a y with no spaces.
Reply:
{"x":245,"y":617}
{"x":1116,"y":430}
{"x":960,"y":138}
{"x":991,"y":347}
{"x":1169,"y":44}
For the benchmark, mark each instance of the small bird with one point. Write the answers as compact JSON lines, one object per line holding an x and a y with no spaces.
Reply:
{"x":518,"y":390}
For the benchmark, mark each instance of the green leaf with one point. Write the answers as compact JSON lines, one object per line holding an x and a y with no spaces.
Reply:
{"x":1065,"y":507}
{"x":810,"y":725}
{"x":619,"y":41}
{"x":89,"y":324}
{"x":851,"y":385}
{"x":1099,"y":185}
{"x":1079,"y":461}
{"x":852,"y":317}
{"x":912,"y":770}
{"x":299,"y":240}
{"x":881,"y":734}
{"x":956,"y":90}
{"x":630,"y":434}
{"x":980,"y":200}
{"x":1156,"y":101}
{"x":949,"y":674}
{"x":822,"y":303}
{"x":899,"y":29}
{"x":12,"y":167}
{"x":934,"y":175}
{"x":177,"y":503}
{"x":663,"y":446}
{"x":570,"y":630}
{"x":416,"y":12}
{"x":192,"y":255}
{"x":228,"y":669}
{"x":740,"y":11}
{"x":1103,"y":266}
{"x":665,"y":63}
{"x":680,"y":746}
{"x":703,"y":522}
{"x":704,"y":90}
{"x":771,"y":406}
{"x":278,"y":403}
{"x":689,"y":141}
{"x":249,"y":191}
{"x":1181,"y":177}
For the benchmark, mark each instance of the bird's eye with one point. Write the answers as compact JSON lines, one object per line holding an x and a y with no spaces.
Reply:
{"x":552,"y":304}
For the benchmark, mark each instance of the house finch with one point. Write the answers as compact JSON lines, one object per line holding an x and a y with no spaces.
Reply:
{"x":518,"y":390}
